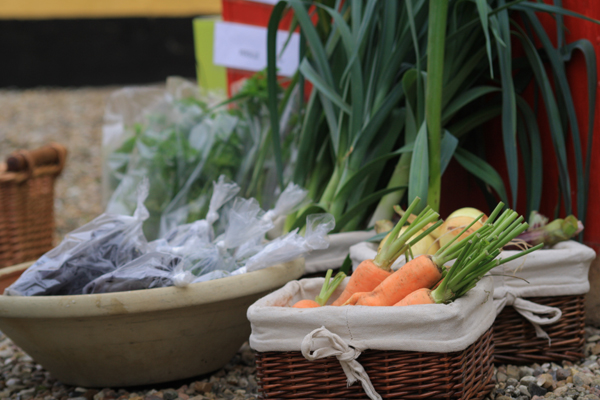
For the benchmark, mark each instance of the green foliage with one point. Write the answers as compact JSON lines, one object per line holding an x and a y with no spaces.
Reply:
{"x":366,"y":60}
{"x":183,"y":146}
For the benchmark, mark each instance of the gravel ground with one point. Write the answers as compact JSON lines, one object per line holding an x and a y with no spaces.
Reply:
{"x":22,"y":379}
{"x":579,"y":381}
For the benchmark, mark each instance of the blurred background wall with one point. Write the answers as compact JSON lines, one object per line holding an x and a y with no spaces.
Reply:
{"x":84,"y":42}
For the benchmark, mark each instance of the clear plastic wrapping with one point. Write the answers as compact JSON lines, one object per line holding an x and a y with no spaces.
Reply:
{"x":292,"y":245}
{"x":111,"y":254}
{"x":161,"y":266}
{"x":97,"y":248}
{"x":182,"y":143}
{"x":240,"y":249}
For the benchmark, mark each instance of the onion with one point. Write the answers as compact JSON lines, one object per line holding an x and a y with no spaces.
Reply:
{"x":456,"y":222}
{"x":427,"y":245}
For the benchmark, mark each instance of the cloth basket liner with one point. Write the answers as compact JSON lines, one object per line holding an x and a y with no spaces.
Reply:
{"x":559,"y":271}
{"x":427,"y":328}
{"x":335,"y":254}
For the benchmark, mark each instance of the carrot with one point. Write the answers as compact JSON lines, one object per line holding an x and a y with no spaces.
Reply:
{"x":370,"y":273}
{"x":354,"y":298}
{"x":306,"y":304}
{"x":421,"y":272}
{"x":477,"y":257}
{"x":365,"y":278}
{"x":326,"y":291}
{"x":419,"y":296}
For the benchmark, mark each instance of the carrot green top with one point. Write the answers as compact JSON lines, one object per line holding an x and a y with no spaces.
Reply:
{"x":329,"y":286}
{"x":396,"y":245}
{"x":478,"y":254}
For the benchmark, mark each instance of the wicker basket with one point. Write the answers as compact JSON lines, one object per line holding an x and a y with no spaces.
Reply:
{"x":515,"y":340}
{"x":27,"y":203}
{"x":406,"y":375}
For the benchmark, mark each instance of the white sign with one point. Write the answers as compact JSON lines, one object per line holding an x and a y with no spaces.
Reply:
{"x":244,"y":47}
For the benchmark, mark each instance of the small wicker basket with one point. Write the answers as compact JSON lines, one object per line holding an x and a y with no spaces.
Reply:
{"x":27,"y":203}
{"x":515,"y":340}
{"x":463,"y":375}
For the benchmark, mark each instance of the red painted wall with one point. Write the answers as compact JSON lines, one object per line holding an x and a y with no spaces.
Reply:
{"x":577,"y":29}
{"x":469,"y":193}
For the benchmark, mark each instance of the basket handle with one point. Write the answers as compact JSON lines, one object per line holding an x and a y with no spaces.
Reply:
{"x":23,"y":160}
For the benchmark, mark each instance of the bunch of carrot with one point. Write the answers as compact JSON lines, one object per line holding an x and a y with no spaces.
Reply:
{"x":477,"y":257}
{"x":370,"y":273}
{"x":373,"y":283}
{"x":424,"y":271}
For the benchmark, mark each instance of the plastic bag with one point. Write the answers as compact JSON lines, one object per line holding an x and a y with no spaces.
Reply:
{"x":122,"y":279}
{"x":292,"y":245}
{"x":158,"y":149}
{"x":129,"y":109}
{"x":290,"y":200}
{"x":183,"y":145}
{"x":99,"y":247}
{"x":223,"y":191}
{"x":191,"y":253}
{"x":280,"y":250}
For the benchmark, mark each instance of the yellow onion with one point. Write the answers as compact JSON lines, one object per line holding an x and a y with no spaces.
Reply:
{"x":456,"y":222}
{"x":427,"y":245}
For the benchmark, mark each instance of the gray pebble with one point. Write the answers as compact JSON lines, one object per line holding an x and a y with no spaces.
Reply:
{"x":170,"y":394}
{"x":13,"y":382}
{"x":580,"y":379}
{"x":512,"y":372}
{"x":538,"y":371}
{"x":526,"y":380}
{"x":501,"y":377}
{"x":512,"y":382}
{"x":524,"y":391}
{"x":562,"y":374}
{"x":26,"y":394}
{"x":536,"y":390}
{"x":525,"y":371}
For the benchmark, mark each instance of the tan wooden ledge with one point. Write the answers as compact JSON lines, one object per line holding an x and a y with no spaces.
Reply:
{"x":47,"y":9}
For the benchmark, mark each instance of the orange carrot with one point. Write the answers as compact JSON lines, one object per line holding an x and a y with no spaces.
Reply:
{"x":306,"y":304}
{"x":354,"y":298}
{"x":476,"y":258}
{"x":420,"y":296}
{"x":326,"y":291}
{"x":370,"y":273}
{"x":421,"y":272}
{"x":365,"y":278}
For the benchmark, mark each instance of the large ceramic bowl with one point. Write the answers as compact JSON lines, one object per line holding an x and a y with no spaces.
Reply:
{"x":138,"y":337}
